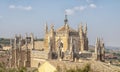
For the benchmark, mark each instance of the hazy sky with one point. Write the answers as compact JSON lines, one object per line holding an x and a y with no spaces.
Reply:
{"x":101,"y":16}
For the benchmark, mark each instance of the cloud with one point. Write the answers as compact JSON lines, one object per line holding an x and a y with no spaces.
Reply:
{"x":24,"y":7}
{"x":92,"y":6}
{"x":74,"y":9}
{"x":79,"y":8}
{"x":89,"y":1}
{"x":12,"y":6}
{"x":69,"y":11}
{"x":27,"y":8}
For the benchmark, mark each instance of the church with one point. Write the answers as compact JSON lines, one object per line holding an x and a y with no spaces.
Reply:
{"x":66,"y":39}
{"x":64,"y":43}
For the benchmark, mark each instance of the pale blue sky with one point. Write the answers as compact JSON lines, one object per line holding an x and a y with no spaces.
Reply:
{"x":101,"y":16}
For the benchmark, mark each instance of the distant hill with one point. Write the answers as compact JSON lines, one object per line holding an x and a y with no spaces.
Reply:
{"x":112,"y":48}
{"x":106,"y":47}
{"x":91,"y":48}
{"x":4,"y":41}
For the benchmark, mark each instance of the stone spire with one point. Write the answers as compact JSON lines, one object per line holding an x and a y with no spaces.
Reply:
{"x":102,"y":46}
{"x":14,"y":51}
{"x":96,"y":45}
{"x":99,"y":50}
{"x":85,"y":29}
{"x":82,"y":41}
{"x":26,"y":43}
{"x":81,"y":31}
{"x":102,"y":50}
{"x":66,"y":23}
{"x":52,"y":30}
{"x":85,"y":37}
{"x":52,"y":37}
{"x":32,"y":37}
{"x":32,"y":40}
{"x":15,"y":41}
{"x":46,"y":28}
{"x":20,"y":39}
{"x":66,"y":20}
{"x":71,"y":44}
{"x":102,"y":43}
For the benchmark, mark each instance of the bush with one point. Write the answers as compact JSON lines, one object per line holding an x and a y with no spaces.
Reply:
{"x":4,"y":69}
{"x":84,"y":69}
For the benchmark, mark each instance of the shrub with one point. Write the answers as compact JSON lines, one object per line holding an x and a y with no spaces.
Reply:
{"x":86,"y":68}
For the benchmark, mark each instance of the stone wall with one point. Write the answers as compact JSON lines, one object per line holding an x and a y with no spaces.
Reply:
{"x":37,"y":57}
{"x":39,"y":45}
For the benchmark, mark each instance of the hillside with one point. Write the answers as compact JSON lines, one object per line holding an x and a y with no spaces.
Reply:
{"x":96,"y":66}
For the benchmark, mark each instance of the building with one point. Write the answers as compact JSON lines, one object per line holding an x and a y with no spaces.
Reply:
{"x":20,"y":57}
{"x":99,"y":50}
{"x":65,"y":39}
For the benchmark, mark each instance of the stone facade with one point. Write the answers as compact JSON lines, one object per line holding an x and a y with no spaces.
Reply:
{"x":66,"y":39}
{"x":24,"y":51}
{"x":19,"y":57}
{"x":99,"y":50}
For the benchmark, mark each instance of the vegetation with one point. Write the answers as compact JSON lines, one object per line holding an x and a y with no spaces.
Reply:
{"x":116,"y":54}
{"x":4,"y":41}
{"x":107,"y":51}
{"x":77,"y":69}
{"x":3,"y":68}
{"x":40,"y":39}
